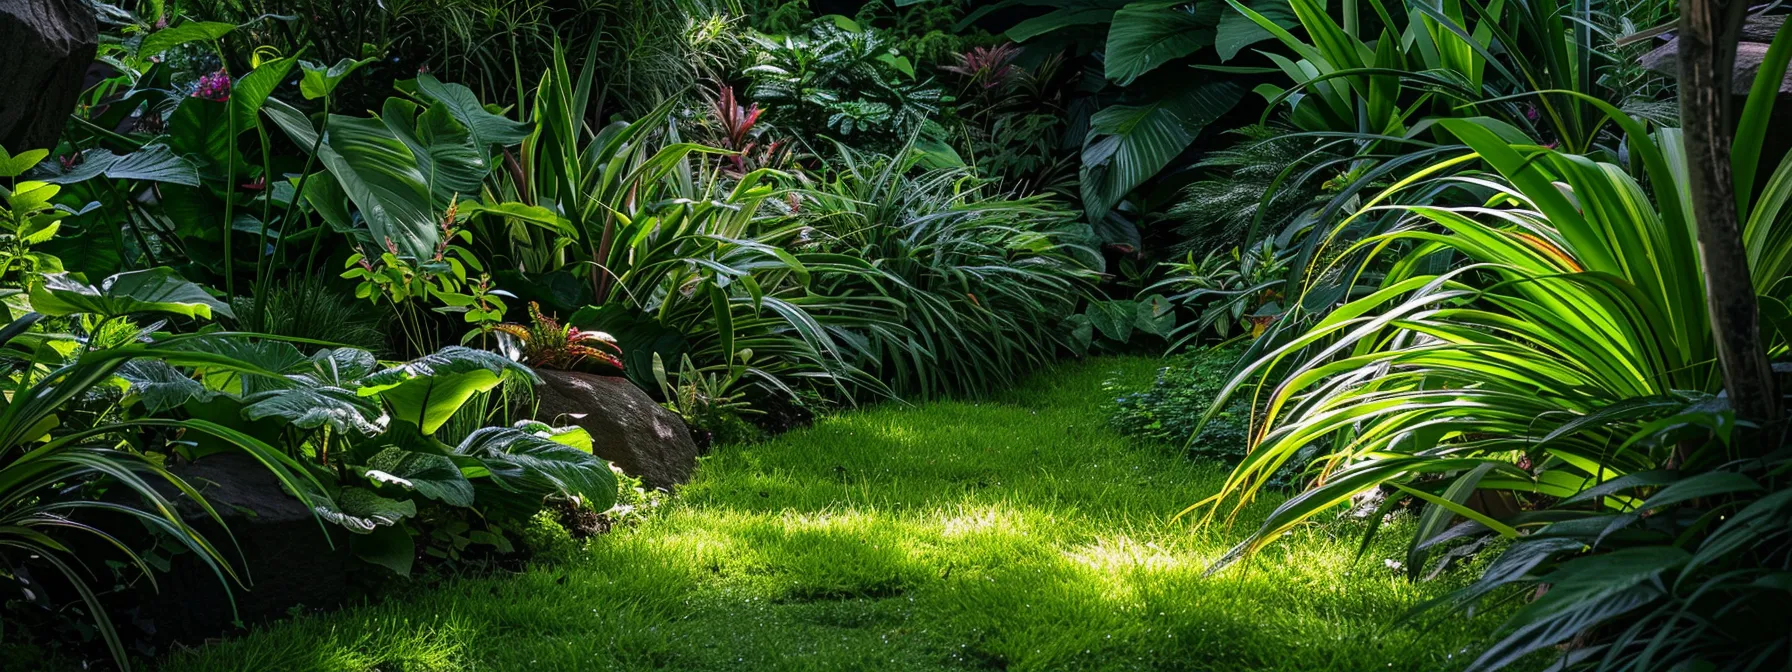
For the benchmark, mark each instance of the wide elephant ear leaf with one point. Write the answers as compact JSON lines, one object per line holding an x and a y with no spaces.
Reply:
{"x":575,"y":436}
{"x":160,"y":387}
{"x":252,"y":91}
{"x":523,"y":461}
{"x":428,"y":390}
{"x":244,"y":365}
{"x":360,"y":510}
{"x":155,"y":290}
{"x":1128,"y":144}
{"x":1146,"y":35}
{"x":433,"y":476}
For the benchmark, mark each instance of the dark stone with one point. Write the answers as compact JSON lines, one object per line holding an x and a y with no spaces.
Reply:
{"x":45,"y":48}
{"x":626,"y":426}
{"x":286,"y":559}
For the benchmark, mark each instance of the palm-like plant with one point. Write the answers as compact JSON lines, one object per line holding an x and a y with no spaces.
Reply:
{"x":1572,"y":319}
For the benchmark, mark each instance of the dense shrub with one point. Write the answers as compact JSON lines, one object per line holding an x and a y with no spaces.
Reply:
{"x":1170,"y":410}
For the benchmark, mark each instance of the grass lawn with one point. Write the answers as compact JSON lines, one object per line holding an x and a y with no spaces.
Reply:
{"x":1018,"y":533}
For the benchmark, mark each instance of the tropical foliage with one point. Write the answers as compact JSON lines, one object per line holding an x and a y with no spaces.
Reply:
{"x":1453,"y":261}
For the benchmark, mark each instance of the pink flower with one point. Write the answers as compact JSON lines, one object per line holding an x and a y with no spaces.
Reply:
{"x":214,"y":86}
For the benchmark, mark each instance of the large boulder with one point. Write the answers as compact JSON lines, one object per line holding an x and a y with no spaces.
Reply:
{"x":289,"y":560}
{"x":45,"y":48}
{"x":626,"y":426}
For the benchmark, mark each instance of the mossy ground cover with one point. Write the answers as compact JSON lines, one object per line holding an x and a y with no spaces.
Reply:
{"x":1018,"y":533}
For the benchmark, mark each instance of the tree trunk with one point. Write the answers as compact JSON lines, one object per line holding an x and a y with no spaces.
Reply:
{"x":1709,"y":30}
{"x":45,"y":48}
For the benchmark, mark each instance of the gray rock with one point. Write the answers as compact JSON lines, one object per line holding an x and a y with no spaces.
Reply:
{"x":45,"y":48}
{"x":627,"y":427}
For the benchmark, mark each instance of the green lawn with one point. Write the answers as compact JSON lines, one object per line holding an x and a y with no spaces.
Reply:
{"x":1014,"y":534}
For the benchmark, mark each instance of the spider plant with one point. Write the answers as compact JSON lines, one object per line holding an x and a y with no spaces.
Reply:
{"x":984,"y":278}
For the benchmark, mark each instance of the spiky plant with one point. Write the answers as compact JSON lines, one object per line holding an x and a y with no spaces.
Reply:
{"x":545,"y":343}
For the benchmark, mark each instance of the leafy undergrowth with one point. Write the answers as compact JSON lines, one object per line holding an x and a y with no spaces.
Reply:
{"x":1017,"y":534}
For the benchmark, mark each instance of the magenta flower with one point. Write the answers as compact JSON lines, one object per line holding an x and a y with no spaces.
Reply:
{"x":214,"y":86}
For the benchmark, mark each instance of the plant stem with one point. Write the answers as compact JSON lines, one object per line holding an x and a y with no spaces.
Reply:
{"x":1709,"y":31}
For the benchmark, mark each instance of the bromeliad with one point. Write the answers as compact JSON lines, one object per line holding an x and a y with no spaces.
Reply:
{"x":545,"y":343}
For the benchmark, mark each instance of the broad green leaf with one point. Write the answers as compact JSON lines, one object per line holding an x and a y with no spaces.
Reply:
{"x":308,"y":407}
{"x":428,"y":390}
{"x":155,"y":163}
{"x":252,"y":91}
{"x":487,"y":129}
{"x":529,"y":214}
{"x":1146,"y":35}
{"x":525,"y":462}
{"x":377,"y":171}
{"x":1071,"y":13}
{"x":445,"y":154}
{"x":1129,"y":144}
{"x":160,"y":387}
{"x":319,"y":81}
{"x":14,"y":166}
{"x":388,"y":546}
{"x":361,"y":510}
{"x":433,"y":476}
{"x":1237,"y":31}
{"x":155,"y":290}
{"x":191,"y":31}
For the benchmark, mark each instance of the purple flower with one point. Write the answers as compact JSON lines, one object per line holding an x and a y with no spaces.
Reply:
{"x":214,"y":86}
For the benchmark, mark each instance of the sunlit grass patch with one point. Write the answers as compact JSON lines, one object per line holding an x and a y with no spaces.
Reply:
{"x":1018,"y":533}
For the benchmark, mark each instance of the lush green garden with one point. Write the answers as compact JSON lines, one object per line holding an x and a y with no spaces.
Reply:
{"x":895,"y":334}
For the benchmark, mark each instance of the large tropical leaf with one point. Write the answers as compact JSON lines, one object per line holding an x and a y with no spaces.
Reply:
{"x":160,"y":387}
{"x":537,"y":464}
{"x":487,"y":129}
{"x":377,"y":171}
{"x":1237,"y":31}
{"x":428,"y":390}
{"x":1070,"y":13}
{"x":361,"y":510}
{"x":155,"y":290}
{"x":155,"y":163}
{"x":430,"y":475}
{"x":1128,"y":144}
{"x":1146,"y":35}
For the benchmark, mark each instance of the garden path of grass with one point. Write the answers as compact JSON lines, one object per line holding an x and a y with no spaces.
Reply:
{"x":1018,"y":533}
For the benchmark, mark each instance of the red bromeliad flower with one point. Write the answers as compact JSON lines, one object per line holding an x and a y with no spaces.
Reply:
{"x":214,"y":87}
{"x":737,"y":122}
{"x":257,"y":184}
{"x":548,"y":345}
